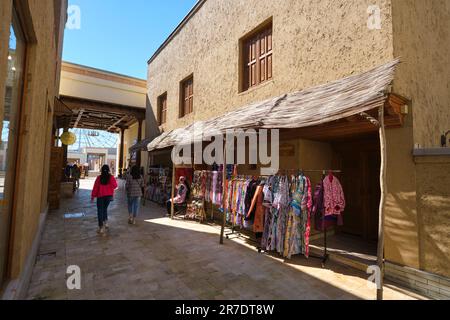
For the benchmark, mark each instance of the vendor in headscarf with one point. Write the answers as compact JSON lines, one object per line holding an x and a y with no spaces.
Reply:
{"x":181,"y":194}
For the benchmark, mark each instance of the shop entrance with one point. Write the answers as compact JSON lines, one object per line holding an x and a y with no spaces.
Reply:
{"x":360,"y":162}
{"x":96,"y":161}
{"x":359,"y":159}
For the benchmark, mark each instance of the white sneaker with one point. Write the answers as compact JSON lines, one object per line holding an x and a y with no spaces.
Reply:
{"x":134,"y":221}
{"x":106,"y":225}
{"x":101,"y":230}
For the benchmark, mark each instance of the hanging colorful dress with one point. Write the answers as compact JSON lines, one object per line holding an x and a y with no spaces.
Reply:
{"x":281,"y":203}
{"x":268,"y":199}
{"x":306,"y":206}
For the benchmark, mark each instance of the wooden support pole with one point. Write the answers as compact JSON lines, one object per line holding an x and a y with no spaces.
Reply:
{"x":224,"y":177}
{"x":65,"y":149}
{"x":121,"y":152}
{"x":139,"y":139}
{"x":212,"y":210}
{"x":172,"y":205}
{"x":380,"y":251}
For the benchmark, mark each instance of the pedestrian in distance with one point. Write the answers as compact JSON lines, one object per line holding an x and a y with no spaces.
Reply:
{"x":76,"y":174}
{"x":133,"y":186}
{"x":104,"y":188}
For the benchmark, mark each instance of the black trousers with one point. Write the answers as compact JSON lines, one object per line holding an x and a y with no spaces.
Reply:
{"x":176,"y":206}
{"x":102,"y":209}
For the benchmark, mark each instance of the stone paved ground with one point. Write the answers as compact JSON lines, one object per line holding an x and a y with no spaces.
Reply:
{"x":163,"y":259}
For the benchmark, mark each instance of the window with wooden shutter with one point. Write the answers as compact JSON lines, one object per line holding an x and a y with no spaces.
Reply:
{"x":187,"y":97}
{"x":257,"y":59}
{"x":162,"y":109}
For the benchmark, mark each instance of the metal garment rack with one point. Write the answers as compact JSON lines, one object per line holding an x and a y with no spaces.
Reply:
{"x":234,"y":232}
{"x":325,"y":256}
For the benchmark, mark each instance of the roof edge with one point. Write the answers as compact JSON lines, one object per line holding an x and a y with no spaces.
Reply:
{"x":81,"y":66}
{"x":180,"y":26}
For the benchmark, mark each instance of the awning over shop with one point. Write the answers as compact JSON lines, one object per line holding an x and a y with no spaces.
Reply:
{"x":140,"y":146}
{"x":322,"y":104}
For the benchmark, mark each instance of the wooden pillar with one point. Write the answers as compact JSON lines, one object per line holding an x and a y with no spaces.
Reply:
{"x":139,"y":139}
{"x":224,"y":183}
{"x":172,"y":207}
{"x":380,"y":251}
{"x":65,"y":150}
{"x":122,"y":141}
{"x":55,"y":136}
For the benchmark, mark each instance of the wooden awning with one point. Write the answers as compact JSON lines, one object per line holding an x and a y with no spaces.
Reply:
{"x":140,"y":146}
{"x":337,"y":104}
{"x":72,"y":112}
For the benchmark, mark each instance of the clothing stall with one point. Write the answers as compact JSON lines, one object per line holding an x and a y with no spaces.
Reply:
{"x":279,"y":209}
{"x":159,"y":184}
{"x":282,"y":209}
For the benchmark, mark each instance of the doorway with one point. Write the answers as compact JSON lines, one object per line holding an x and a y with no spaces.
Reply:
{"x":357,"y":239}
{"x":96,"y":161}
{"x":360,"y":162}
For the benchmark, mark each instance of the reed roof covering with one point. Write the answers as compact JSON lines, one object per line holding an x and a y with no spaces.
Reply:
{"x":310,"y":107}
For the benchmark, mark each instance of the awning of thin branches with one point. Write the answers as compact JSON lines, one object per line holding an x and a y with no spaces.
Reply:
{"x":310,"y":107}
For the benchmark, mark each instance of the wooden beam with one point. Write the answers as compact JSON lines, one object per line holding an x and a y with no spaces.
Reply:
{"x":103,"y":107}
{"x":116,"y":123}
{"x":80,"y":114}
{"x":339,"y":129}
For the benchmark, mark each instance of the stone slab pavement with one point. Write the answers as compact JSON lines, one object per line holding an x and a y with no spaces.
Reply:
{"x":159,"y":258}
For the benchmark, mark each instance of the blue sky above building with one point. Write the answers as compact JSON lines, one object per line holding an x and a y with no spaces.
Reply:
{"x":120,"y":36}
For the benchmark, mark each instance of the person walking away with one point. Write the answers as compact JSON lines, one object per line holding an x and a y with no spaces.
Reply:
{"x":133,"y":186}
{"x":68,"y":172}
{"x":180,"y":197}
{"x":76,"y":172}
{"x":104,"y":187}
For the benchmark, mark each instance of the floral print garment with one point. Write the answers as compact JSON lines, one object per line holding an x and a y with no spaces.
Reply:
{"x":333,"y":196}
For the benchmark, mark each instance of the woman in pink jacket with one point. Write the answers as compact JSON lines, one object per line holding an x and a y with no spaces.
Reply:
{"x":104,"y":187}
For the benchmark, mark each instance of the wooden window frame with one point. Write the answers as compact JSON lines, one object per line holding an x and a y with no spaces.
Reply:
{"x":186,"y":96}
{"x":162,"y":109}
{"x":256,"y":57}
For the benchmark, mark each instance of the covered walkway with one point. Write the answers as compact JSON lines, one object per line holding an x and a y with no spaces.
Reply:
{"x":163,"y":259}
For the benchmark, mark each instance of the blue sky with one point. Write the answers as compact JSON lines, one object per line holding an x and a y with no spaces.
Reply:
{"x":121,"y":35}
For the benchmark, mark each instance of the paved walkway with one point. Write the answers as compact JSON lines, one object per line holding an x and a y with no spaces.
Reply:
{"x":163,"y":259}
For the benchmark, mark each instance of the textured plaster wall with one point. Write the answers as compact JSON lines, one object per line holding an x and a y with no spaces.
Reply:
{"x":41,"y":87}
{"x":401,"y":225}
{"x":433,"y":206}
{"x":314,"y":42}
{"x":422,"y":39}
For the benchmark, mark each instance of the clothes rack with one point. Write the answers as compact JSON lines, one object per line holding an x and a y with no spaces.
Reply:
{"x":239,"y":234}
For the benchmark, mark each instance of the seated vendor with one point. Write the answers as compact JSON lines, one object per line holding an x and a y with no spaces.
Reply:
{"x":181,"y":193}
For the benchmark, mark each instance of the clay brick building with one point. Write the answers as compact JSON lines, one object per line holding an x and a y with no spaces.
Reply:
{"x":226,"y":54}
{"x":31,"y":34}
